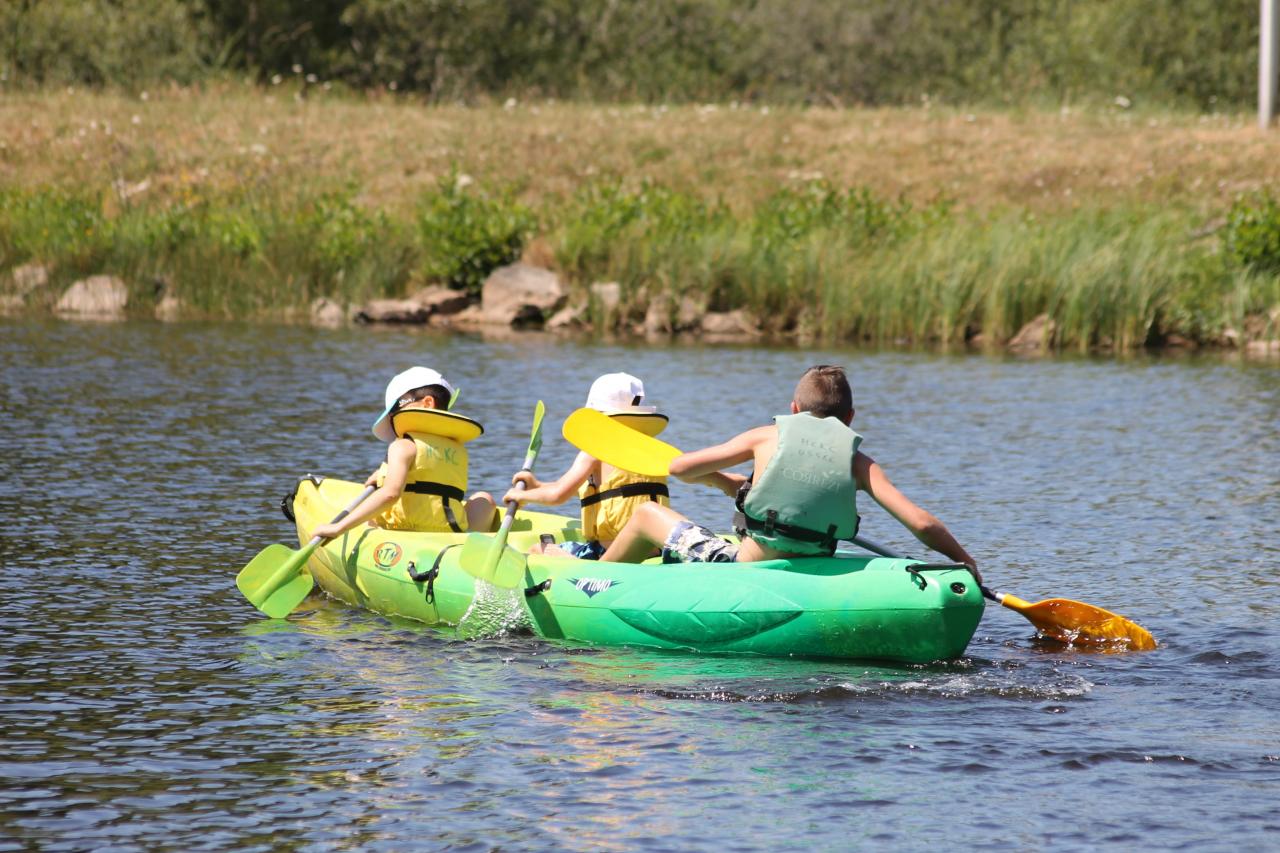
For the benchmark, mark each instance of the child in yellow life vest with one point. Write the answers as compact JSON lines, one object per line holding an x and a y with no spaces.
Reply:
{"x":422,"y":484}
{"x":609,"y":495}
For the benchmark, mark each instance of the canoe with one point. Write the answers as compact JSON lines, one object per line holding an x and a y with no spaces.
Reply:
{"x":847,"y":606}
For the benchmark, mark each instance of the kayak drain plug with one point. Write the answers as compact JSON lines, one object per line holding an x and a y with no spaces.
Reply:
{"x":958,"y":588}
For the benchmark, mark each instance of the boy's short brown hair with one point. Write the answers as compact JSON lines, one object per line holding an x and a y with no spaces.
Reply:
{"x":824,"y":391}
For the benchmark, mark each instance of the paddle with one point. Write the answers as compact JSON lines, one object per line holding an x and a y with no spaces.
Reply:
{"x":1061,"y":619}
{"x":488,"y":558}
{"x":1058,"y":618}
{"x":619,"y":445}
{"x":273,"y":581}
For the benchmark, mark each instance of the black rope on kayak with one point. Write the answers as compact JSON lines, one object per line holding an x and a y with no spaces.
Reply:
{"x":429,"y":576}
{"x":538,"y":588}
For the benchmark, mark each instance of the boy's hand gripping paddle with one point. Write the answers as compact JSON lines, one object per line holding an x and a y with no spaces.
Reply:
{"x":1057,"y":618}
{"x":488,"y":558}
{"x":274,"y":581}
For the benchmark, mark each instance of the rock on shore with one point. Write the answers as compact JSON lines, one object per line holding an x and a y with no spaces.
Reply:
{"x":521,"y":295}
{"x":99,"y":296}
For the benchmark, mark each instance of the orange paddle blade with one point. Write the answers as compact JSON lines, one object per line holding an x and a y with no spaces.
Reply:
{"x":1075,"y":622}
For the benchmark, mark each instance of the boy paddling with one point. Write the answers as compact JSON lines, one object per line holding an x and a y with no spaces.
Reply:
{"x":802,"y":501}
{"x":422,"y":484}
{"x":609,"y":495}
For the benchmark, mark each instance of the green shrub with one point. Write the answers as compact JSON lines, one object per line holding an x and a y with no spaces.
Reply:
{"x":467,"y":235}
{"x":101,"y":42}
{"x":1252,"y":234}
{"x":1195,"y":52}
{"x":48,"y":225}
{"x":604,"y":222}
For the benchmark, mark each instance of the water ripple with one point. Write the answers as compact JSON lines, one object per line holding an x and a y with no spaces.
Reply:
{"x":144,"y":705}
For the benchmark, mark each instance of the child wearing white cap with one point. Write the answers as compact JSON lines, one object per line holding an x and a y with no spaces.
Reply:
{"x":425,"y":475}
{"x":609,"y":495}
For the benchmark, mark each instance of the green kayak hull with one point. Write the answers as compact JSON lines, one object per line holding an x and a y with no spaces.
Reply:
{"x":847,"y":606}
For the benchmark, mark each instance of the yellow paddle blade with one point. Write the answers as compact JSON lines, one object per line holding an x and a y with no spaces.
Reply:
{"x":486,"y":559}
{"x":274,"y":581}
{"x":619,"y":445}
{"x":1075,"y":622}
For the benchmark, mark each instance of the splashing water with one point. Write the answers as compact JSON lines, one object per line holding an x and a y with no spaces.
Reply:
{"x":494,"y":612}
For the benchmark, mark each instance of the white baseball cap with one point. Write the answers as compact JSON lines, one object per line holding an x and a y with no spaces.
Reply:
{"x":618,"y":392}
{"x":401,"y":384}
{"x":618,"y":395}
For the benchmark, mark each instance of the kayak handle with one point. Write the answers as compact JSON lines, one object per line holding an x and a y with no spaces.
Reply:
{"x":915,"y":570}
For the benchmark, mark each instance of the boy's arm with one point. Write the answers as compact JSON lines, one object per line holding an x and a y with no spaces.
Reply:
{"x":726,"y":481}
{"x":922,"y":524}
{"x":554,"y":493}
{"x":400,"y":456}
{"x":692,"y":467}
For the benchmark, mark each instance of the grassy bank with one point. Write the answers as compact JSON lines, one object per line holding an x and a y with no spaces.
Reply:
{"x":922,"y":223}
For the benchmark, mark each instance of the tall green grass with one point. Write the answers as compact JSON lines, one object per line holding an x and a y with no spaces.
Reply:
{"x":226,"y":256}
{"x":843,"y":264}
{"x":814,"y":259}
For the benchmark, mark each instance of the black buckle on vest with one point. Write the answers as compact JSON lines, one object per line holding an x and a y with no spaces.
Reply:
{"x":826,"y":540}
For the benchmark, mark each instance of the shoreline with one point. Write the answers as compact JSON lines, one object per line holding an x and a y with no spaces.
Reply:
{"x":1114,"y":230}
{"x":574,"y":323}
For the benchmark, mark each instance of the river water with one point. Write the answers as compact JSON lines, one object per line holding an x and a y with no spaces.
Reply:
{"x":146,"y":705}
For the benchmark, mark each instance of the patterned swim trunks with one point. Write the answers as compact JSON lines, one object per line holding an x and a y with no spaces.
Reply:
{"x":692,"y":543}
{"x":583,"y":550}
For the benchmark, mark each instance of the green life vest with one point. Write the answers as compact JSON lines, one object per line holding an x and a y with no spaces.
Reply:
{"x":804,"y":501}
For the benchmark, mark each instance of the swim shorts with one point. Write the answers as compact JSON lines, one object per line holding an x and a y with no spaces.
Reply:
{"x":583,"y":550}
{"x":692,"y":543}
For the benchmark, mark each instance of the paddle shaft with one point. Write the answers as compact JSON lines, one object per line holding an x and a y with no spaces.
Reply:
{"x":316,"y":541}
{"x":1060,"y":618}
{"x":368,"y":490}
{"x":500,"y":538}
{"x":510,"y":515}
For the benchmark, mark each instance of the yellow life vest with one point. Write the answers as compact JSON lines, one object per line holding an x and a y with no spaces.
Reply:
{"x":436,"y":486}
{"x":607,"y":507}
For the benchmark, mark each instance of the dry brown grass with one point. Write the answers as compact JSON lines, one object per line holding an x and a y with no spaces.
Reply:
{"x":180,"y":140}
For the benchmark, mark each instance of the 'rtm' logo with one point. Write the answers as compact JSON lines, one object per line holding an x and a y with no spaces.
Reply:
{"x":593,"y":585}
{"x":386,"y":555}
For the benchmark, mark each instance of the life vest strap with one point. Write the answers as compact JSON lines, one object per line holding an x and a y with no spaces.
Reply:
{"x":744,"y":524}
{"x":631,"y":490}
{"x":446,"y":493}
